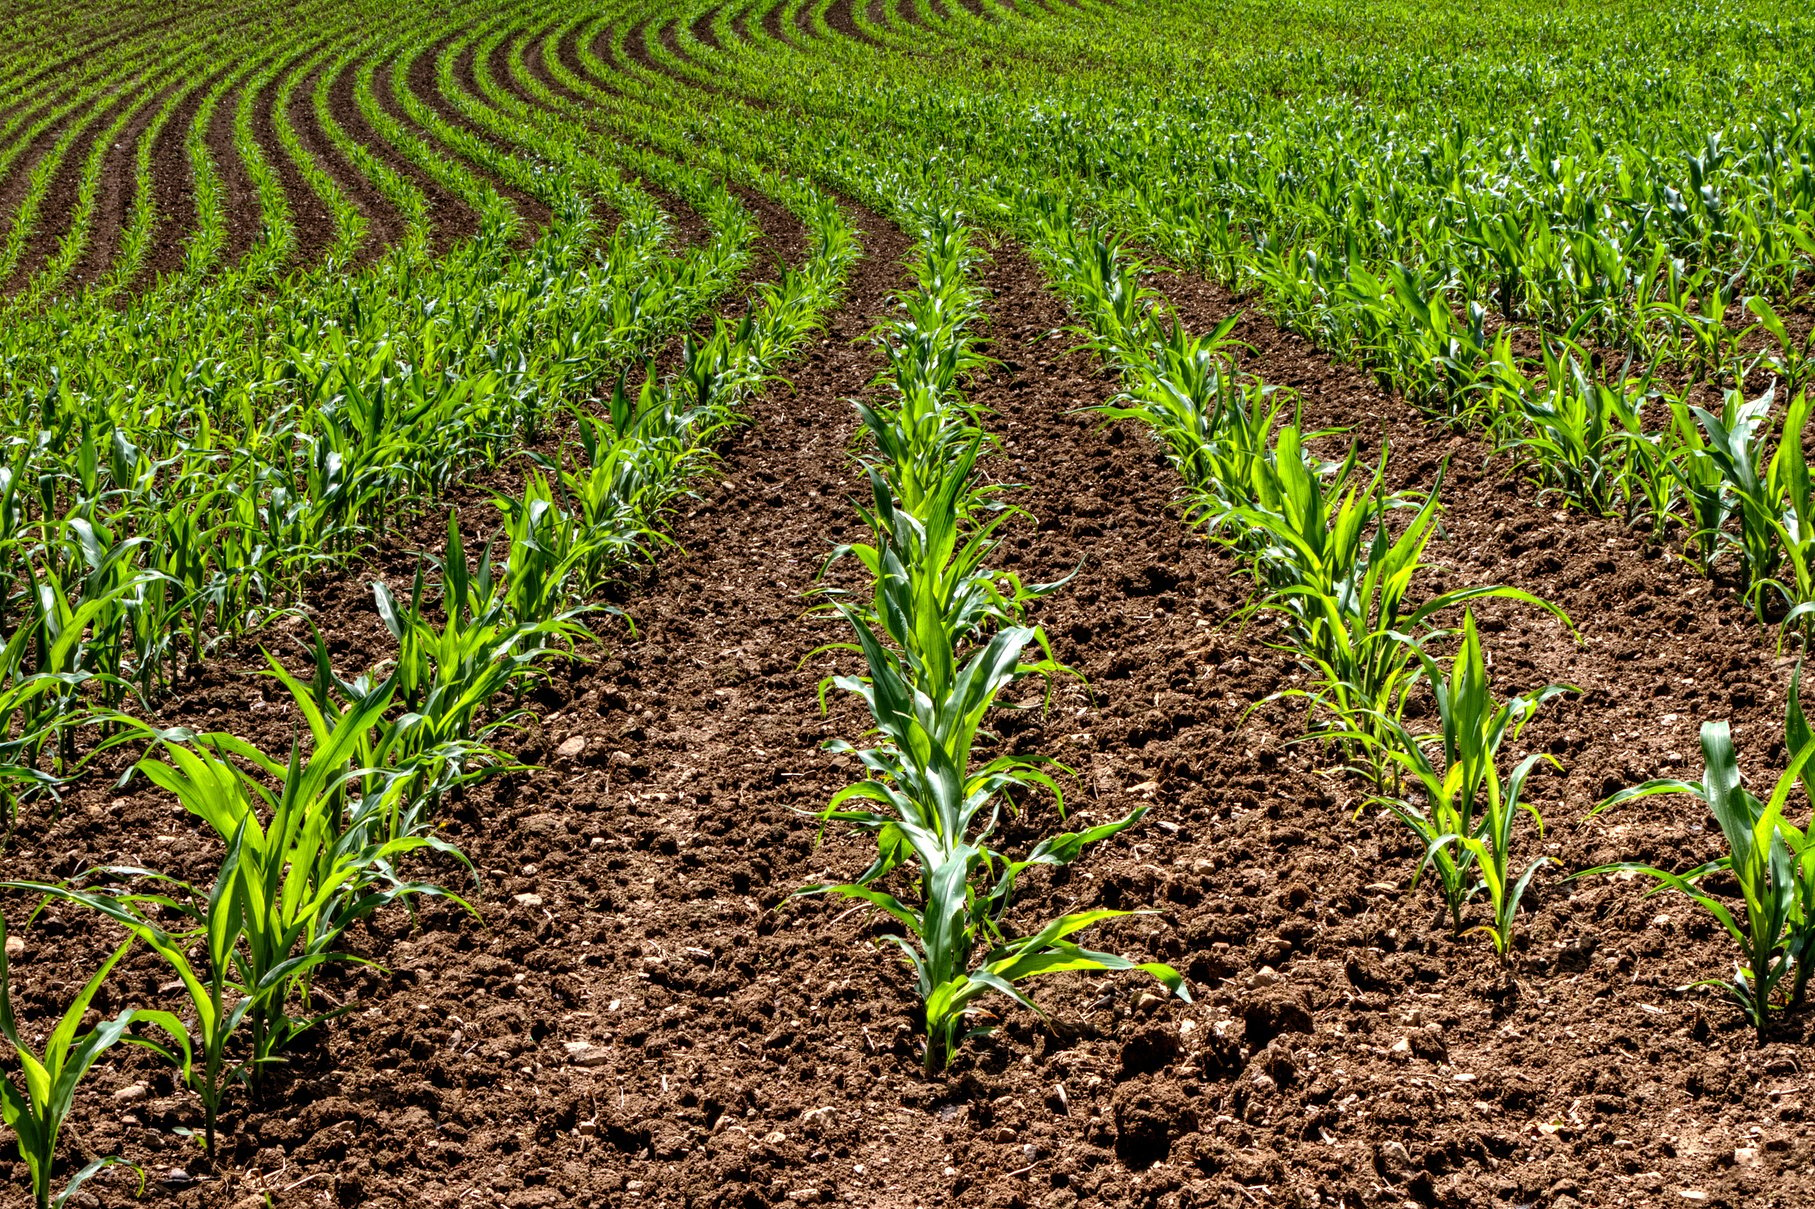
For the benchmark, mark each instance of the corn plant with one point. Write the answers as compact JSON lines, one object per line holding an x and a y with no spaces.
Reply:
{"x":447,"y":673}
{"x":1735,"y":448}
{"x":942,"y":637}
{"x":1577,"y":433}
{"x":1771,"y":860}
{"x":1793,"y":363}
{"x":1214,"y":421}
{"x":1466,"y":818}
{"x":932,"y":566}
{"x":36,"y":1113}
{"x":312,"y":859}
{"x":935,"y":808}
{"x":1330,"y":566}
{"x":218,"y":1003}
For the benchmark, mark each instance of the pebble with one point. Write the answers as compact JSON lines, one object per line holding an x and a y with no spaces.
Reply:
{"x":131,"y":1093}
{"x":529,"y":900}
{"x":15,"y":948}
{"x":1262,"y":978}
{"x":571,"y":746}
{"x":585,"y":1053}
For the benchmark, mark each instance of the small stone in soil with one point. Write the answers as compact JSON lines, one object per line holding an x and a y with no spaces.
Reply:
{"x":585,"y":1053}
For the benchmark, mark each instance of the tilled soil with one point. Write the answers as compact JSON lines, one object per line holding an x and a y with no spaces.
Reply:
{"x":643,"y":1019}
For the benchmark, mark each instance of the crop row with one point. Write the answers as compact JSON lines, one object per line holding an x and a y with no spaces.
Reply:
{"x":1611,"y":292}
{"x":312,"y":843}
{"x":184,"y":490}
{"x":1560,"y":367}
{"x":943,"y":635}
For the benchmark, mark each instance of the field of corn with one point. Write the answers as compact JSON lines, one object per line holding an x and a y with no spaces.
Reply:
{"x":906,"y":603}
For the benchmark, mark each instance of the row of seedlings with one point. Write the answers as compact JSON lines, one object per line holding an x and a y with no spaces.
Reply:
{"x":1326,"y":564}
{"x":1623,"y":312}
{"x":1336,"y":559}
{"x":315,"y":840}
{"x":942,"y":636}
{"x":155,"y":503}
{"x":1339,"y":580}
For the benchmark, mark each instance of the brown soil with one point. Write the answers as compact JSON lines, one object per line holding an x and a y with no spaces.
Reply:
{"x":115,"y":197}
{"x":671,"y":42}
{"x":535,"y":58}
{"x":840,"y":19}
{"x":311,"y":220}
{"x":1342,"y":1045}
{"x":172,"y":190}
{"x":690,"y":229}
{"x":775,"y":27}
{"x":57,"y":206}
{"x":239,"y":196}
{"x":422,"y":82}
{"x":702,"y":30}
{"x":637,"y":46}
{"x":384,"y":223}
{"x":450,"y":220}
{"x":909,"y":13}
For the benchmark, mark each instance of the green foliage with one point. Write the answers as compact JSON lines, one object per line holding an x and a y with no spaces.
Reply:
{"x":36,"y":1112}
{"x":1466,"y":819}
{"x":942,"y":638}
{"x":1771,"y":860}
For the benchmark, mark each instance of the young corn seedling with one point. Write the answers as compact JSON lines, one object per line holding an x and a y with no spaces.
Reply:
{"x":1215,"y":423}
{"x":1329,"y":564}
{"x":218,"y":1003}
{"x":933,"y":598}
{"x":1792,"y":362}
{"x":1772,"y":860}
{"x":36,"y":1112}
{"x":937,"y":810}
{"x":448,"y":673}
{"x":933,"y":564}
{"x":1466,"y":820}
{"x":1702,"y":484}
{"x":930,"y":352}
{"x":1578,"y":433}
{"x":312,"y":861}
